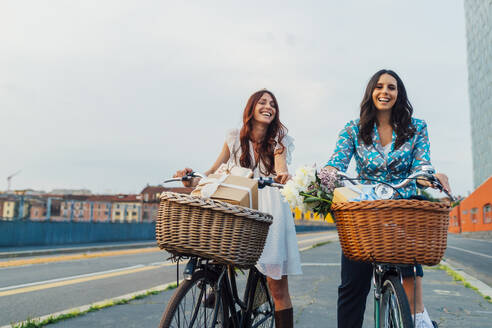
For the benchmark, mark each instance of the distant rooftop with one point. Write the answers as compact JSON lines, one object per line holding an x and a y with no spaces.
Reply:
{"x":70,"y":192}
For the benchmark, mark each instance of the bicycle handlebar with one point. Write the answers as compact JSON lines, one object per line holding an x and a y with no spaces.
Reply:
{"x":426,"y":172}
{"x":262,"y":182}
{"x":186,"y":177}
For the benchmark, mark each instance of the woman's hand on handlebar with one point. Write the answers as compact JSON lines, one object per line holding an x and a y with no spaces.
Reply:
{"x":282,"y":177}
{"x":182,"y":173}
{"x":441,"y":177}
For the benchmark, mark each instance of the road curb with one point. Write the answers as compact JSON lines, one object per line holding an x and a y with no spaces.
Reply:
{"x":482,"y":288}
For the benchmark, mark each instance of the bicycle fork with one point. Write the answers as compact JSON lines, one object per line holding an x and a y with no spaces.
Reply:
{"x":377,"y":282}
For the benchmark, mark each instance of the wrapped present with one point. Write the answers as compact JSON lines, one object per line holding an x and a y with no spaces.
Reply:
{"x":343,"y":194}
{"x":354,"y":193}
{"x":236,"y":190}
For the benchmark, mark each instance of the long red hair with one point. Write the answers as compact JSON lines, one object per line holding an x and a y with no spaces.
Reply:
{"x":275,"y":134}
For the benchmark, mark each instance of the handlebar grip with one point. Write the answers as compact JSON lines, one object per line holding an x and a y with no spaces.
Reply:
{"x":186,"y":177}
{"x":264,"y":182}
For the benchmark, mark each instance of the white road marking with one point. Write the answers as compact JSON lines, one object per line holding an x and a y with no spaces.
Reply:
{"x":446,"y":292}
{"x":471,"y":252}
{"x":70,"y":278}
{"x":317,"y":239}
{"x":320,"y":264}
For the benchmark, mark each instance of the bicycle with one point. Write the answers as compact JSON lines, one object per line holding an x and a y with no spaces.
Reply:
{"x":208,"y":295}
{"x":391,"y":306}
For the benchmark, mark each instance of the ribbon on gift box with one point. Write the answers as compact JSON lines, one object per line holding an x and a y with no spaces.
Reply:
{"x":210,"y":185}
{"x":232,"y":169}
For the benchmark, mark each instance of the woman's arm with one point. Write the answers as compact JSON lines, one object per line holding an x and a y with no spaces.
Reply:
{"x":222,"y":158}
{"x":344,"y":149}
{"x":281,"y":168}
{"x":421,"y":149}
{"x":421,"y":157}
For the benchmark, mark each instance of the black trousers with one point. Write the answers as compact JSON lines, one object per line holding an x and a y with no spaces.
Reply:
{"x":353,"y":291}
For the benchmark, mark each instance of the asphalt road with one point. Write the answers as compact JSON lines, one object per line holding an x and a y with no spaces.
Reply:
{"x":29,"y":289}
{"x":35,"y":286}
{"x":474,"y":256}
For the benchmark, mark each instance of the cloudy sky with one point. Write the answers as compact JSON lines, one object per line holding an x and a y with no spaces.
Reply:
{"x":112,"y":95}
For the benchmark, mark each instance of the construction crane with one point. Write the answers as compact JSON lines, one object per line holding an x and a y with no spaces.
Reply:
{"x":9,"y":179}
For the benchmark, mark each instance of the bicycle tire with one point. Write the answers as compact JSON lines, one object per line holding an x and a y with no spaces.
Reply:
{"x":394,"y":309}
{"x":181,"y":310}
{"x":263,"y":313}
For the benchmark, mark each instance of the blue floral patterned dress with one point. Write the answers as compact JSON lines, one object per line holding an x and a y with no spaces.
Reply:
{"x":371,"y":161}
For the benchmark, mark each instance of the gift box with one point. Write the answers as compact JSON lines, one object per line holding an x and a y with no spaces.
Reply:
{"x":343,"y":194}
{"x":354,"y":193}
{"x":232,"y":189}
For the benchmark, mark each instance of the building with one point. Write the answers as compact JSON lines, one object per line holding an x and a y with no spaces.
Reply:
{"x":78,"y":192}
{"x":478,"y":14}
{"x":98,"y":208}
{"x":126,"y":208}
{"x":8,"y":209}
{"x":72,"y":208}
{"x":151,"y":198}
{"x":37,"y":209}
{"x":474,"y":213}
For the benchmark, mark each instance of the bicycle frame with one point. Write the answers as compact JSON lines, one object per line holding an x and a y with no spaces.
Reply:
{"x":227,"y":291}
{"x":380,"y":270}
{"x":227,"y":288}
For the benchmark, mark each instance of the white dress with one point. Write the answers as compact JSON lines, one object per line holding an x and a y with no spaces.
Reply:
{"x":280,"y":255}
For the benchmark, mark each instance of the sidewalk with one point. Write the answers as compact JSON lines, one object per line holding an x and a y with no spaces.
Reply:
{"x":314,"y":295}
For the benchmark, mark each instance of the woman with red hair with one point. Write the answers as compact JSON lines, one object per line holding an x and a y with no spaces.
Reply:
{"x":262,"y":144}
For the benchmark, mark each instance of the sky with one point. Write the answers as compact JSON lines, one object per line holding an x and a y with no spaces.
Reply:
{"x":114,"y":95}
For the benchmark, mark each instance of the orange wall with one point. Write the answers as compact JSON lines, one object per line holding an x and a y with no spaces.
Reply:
{"x":474,"y":212}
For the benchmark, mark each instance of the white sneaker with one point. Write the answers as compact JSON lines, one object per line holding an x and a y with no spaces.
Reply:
{"x":422,"y":320}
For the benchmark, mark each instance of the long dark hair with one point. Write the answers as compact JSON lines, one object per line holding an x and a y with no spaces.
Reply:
{"x":275,"y":133}
{"x":401,"y":113}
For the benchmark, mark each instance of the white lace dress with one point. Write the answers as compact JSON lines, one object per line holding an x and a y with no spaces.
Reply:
{"x":281,"y":254}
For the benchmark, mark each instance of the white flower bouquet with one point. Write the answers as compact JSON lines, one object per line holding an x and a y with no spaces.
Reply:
{"x":311,"y":190}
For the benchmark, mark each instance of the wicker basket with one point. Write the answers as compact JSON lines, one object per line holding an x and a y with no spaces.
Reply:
{"x":211,"y":229}
{"x":393,"y":231}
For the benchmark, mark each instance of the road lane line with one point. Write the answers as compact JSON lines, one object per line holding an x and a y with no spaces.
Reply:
{"x":69,"y":278}
{"x":163,"y":287}
{"x":40,"y":285}
{"x":323,"y":232}
{"x":84,"y":256}
{"x":471,"y":252}
{"x":63,"y":258}
{"x":479,"y":240}
{"x":317,"y":239}
{"x":320,"y":264}
{"x":79,"y":280}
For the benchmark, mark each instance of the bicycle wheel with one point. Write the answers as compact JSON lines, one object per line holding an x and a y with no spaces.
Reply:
{"x":394,"y":308}
{"x":263,"y":308}
{"x":190,"y":305}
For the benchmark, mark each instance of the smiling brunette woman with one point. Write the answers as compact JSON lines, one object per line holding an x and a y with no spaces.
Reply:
{"x":388,"y":145}
{"x":263,"y":145}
